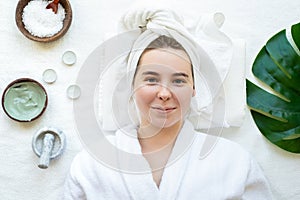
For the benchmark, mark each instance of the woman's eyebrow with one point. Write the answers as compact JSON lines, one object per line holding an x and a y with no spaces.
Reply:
{"x":150,"y":73}
{"x":181,"y":74}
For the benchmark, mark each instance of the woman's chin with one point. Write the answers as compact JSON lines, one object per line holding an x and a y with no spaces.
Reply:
{"x":164,"y":123}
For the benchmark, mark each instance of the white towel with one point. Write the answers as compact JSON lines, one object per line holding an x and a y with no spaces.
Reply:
{"x":218,"y":64}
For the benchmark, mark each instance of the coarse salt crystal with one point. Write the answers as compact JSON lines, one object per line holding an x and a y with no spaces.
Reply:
{"x":42,"y":22}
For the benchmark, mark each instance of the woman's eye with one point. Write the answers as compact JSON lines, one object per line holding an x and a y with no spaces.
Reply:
{"x":179,"y":81}
{"x":151,"y":80}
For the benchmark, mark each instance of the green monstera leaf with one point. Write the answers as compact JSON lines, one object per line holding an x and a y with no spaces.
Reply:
{"x":277,"y":113}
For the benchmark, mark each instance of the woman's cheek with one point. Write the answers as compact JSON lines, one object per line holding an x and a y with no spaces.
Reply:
{"x":145,"y":90}
{"x":183,"y":96}
{"x":144,"y":95}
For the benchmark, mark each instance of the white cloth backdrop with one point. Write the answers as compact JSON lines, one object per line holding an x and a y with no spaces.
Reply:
{"x":94,"y":21}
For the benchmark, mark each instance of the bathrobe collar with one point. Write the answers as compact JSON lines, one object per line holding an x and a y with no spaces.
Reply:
{"x":141,"y":185}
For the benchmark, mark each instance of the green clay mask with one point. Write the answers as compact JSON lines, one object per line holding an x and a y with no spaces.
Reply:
{"x":24,"y":100}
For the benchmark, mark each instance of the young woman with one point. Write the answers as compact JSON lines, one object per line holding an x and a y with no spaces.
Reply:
{"x":163,"y":87}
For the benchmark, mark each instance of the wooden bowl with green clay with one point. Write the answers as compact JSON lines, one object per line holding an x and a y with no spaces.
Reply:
{"x":24,"y":100}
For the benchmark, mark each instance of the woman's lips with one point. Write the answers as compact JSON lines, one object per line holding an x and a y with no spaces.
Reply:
{"x":163,"y":109}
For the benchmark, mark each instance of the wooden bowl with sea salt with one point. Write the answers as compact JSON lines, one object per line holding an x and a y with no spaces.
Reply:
{"x":40,"y":24}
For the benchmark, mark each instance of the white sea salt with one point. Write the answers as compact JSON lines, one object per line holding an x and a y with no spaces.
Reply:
{"x":42,"y":22}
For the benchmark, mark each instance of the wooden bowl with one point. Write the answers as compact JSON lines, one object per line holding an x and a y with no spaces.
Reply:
{"x":66,"y":23}
{"x":28,"y":117}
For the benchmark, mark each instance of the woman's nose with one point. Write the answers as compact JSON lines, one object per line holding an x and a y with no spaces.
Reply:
{"x":164,"y":93}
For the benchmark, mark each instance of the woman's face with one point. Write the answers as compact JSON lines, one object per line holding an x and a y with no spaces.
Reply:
{"x":163,"y":87}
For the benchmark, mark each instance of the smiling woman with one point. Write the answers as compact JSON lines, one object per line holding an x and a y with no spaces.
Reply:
{"x":163,"y":86}
{"x":167,"y":143}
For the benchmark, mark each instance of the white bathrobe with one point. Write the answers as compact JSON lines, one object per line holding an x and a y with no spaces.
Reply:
{"x":227,"y":172}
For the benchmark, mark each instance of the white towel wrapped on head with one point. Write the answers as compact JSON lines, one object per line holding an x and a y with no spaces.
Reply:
{"x":218,"y":67}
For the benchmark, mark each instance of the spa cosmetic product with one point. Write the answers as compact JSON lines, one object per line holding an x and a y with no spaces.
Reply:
{"x":73,"y":91}
{"x":49,"y":76}
{"x":69,"y":58}
{"x":48,"y":143}
{"x":40,"y":21}
{"x":24,"y":100}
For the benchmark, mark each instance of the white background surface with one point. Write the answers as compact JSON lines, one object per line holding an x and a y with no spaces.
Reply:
{"x":93,"y":21}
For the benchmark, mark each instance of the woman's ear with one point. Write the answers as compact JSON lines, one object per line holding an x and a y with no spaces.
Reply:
{"x":194,"y":93}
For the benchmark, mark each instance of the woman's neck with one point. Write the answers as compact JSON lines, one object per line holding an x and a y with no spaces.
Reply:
{"x":157,"y":145}
{"x":155,"y":139}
